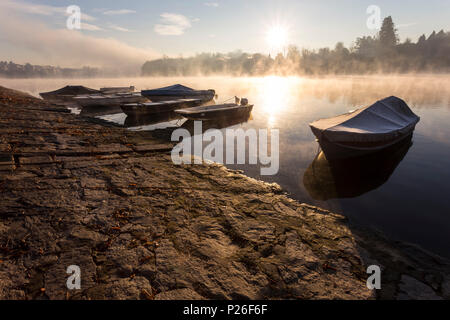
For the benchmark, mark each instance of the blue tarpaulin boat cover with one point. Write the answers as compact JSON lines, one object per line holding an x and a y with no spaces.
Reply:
{"x":174,"y":90}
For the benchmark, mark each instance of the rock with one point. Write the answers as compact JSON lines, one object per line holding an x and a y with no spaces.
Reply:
{"x":139,"y":227}
{"x":85,"y":235}
{"x":121,"y":289}
{"x":180,"y":294}
{"x":412,"y":289}
{"x":446,"y":288}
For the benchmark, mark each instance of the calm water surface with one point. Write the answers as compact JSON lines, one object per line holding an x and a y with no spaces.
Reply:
{"x":404,"y":194}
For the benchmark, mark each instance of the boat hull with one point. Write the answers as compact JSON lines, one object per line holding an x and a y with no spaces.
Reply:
{"x":57,"y":97}
{"x":219,"y":113}
{"x":338,"y":151}
{"x":157,"y":98}
{"x":67,"y":93}
{"x":137,"y":110}
{"x":109,"y":102}
{"x":113,"y":90}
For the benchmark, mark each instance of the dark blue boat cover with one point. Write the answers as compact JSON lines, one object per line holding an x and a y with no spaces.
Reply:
{"x":174,"y":90}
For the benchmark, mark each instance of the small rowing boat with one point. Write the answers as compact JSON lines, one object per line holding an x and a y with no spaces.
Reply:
{"x":67,"y":93}
{"x":109,"y":99}
{"x":151,"y":119}
{"x":229,"y":110}
{"x":365,"y":130}
{"x":142,"y":109}
{"x":178,"y":91}
{"x":112,"y":90}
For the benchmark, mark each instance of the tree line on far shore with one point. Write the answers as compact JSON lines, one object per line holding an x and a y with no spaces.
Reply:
{"x":14,"y":70}
{"x":382,"y":53}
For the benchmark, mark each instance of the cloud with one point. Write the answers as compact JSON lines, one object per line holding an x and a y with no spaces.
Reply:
{"x":118,"y":12}
{"x":406,"y":25}
{"x":172,"y":24}
{"x":211,"y":4}
{"x":38,"y":9}
{"x":118,"y":28}
{"x":41,"y":44}
{"x":90,"y":27}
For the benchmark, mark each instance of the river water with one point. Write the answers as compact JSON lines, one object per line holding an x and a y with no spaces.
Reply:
{"x":404,"y":193}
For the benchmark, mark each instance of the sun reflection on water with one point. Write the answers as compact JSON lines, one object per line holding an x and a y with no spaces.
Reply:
{"x":275,"y":95}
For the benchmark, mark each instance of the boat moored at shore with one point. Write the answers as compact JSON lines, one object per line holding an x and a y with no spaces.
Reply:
{"x":109,"y":100}
{"x":142,"y":109}
{"x":366,"y":130}
{"x":111,"y":90}
{"x":67,"y":93}
{"x":178,"y":91}
{"x":229,"y":110}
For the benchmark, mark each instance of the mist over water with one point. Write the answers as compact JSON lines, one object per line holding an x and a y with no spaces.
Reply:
{"x":409,"y":204}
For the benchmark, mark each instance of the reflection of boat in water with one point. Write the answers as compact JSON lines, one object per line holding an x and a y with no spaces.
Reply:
{"x":216,"y":124}
{"x":146,"y":120}
{"x":365,"y":130}
{"x":348,"y":178}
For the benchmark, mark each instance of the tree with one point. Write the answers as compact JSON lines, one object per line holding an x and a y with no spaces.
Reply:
{"x":366,"y":46}
{"x":422,"y":40}
{"x":388,"y":34}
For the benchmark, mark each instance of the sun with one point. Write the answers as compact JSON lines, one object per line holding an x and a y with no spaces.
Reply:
{"x":277,"y":36}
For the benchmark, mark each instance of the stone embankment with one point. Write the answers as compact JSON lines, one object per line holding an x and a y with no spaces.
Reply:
{"x":79,"y":192}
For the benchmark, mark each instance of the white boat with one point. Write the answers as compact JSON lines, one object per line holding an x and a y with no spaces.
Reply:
{"x":366,"y":130}
{"x":110,"y":100}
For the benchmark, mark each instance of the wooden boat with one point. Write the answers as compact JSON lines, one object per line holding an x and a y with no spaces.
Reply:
{"x":95,"y":111}
{"x":352,"y":177}
{"x":365,"y":130}
{"x":213,"y":112}
{"x":151,"y":119}
{"x":112,"y":90}
{"x":67,"y":93}
{"x":142,"y":109}
{"x":178,"y":91}
{"x":108,"y":99}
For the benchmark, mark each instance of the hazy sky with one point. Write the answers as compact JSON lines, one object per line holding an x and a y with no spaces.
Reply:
{"x":35,"y":31}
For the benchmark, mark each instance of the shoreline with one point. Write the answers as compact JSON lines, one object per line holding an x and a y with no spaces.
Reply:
{"x":79,"y":191}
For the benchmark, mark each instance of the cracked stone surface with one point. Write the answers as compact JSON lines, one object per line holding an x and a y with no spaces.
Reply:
{"x":80,"y":192}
